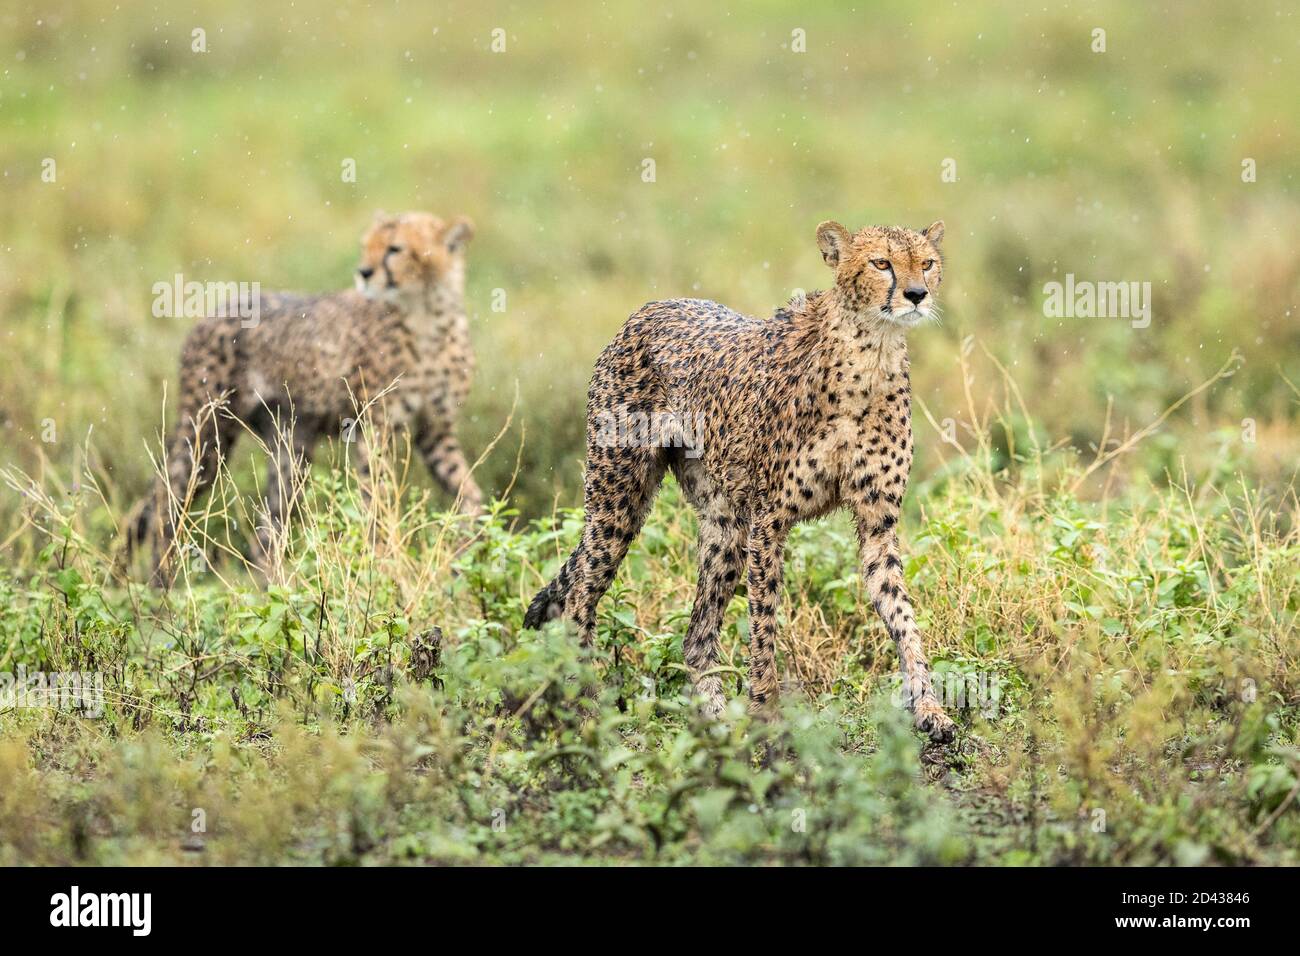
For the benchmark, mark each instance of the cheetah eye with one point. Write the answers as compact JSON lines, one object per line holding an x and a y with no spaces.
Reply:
{"x":927,"y":265}
{"x":394,"y":249}
{"x":881,"y":264}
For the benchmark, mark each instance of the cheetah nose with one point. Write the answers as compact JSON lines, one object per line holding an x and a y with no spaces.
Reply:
{"x":366,"y":273}
{"x":915,"y":293}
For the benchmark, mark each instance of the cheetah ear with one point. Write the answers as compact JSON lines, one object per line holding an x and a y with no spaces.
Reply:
{"x":381,"y":221}
{"x":832,"y":238}
{"x":934,"y":231}
{"x":458,"y":232}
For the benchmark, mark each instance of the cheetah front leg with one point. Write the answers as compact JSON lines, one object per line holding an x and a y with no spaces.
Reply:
{"x":882,"y":570}
{"x":446,"y":461}
{"x":286,"y":473}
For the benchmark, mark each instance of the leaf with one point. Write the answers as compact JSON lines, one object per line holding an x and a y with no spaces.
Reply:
{"x":711,"y":807}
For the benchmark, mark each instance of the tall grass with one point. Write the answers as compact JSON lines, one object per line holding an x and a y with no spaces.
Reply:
{"x":1123,"y":672}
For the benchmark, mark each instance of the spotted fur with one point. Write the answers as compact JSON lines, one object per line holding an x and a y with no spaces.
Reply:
{"x":310,"y":362}
{"x":796,"y":415}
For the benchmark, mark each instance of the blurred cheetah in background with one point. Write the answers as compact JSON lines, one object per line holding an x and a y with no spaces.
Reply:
{"x":312,"y":361}
{"x":797,"y":415}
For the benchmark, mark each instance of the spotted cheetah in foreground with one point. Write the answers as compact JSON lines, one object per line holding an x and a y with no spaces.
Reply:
{"x":791,"y":417}
{"x":315,"y":360}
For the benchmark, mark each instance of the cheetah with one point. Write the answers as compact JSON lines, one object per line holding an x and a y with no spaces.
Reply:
{"x":398,"y":342}
{"x":764,"y":424}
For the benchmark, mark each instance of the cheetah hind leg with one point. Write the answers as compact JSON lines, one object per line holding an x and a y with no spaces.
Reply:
{"x":617,"y":501}
{"x":621,"y":485}
{"x":548,"y":603}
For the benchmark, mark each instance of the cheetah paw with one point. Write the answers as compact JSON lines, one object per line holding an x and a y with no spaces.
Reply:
{"x":931,"y":720}
{"x":712,"y":706}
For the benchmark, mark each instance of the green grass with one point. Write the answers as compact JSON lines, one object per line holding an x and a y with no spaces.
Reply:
{"x":1140,"y":619}
{"x":1129,"y":672}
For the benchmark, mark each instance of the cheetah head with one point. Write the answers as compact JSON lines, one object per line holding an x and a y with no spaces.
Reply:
{"x":404,"y":258}
{"x":884,"y":273}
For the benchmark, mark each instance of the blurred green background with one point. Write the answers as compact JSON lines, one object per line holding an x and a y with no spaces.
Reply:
{"x":1123,"y":165}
